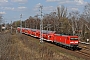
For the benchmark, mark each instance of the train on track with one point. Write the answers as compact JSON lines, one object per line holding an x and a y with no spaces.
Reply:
{"x":67,"y":41}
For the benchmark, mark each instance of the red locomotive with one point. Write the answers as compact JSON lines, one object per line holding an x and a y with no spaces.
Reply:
{"x":70,"y":42}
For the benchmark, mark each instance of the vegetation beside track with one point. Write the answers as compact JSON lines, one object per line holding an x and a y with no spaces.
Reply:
{"x":23,"y":47}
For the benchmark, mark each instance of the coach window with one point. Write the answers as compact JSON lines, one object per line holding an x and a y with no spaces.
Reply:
{"x":73,"y":38}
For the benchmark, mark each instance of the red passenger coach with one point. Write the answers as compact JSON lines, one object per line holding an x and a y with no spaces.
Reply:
{"x":29,"y":31}
{"x":37,"y":34}
{"x":48,"y":35}
{"x":23,"y":30}
{"x":45,"y":34}
{"x":33,"y":32}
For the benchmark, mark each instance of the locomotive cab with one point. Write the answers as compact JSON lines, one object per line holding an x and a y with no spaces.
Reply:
{"x":74,"y":42}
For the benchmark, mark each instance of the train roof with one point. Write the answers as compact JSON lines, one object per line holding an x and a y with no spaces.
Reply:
{"x":61,"y":35}
{"x":34,"y":29}
{"x":66,"y":35}
{"x":27,"y":28}
{"x":48,"y":32}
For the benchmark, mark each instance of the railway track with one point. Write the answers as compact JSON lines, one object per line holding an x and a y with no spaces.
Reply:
{"x":87,"y":49}
{"x":83,"y":53}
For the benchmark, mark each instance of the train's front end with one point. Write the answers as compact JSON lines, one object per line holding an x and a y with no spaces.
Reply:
{"x":74,"y":42}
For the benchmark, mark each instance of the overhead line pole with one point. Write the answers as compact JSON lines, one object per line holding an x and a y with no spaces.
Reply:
{"x":11,"y":27}
{"x":41,"y":25}
{"x":21,"y":23}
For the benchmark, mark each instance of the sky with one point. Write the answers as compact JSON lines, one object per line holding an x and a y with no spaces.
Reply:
{"x":12,"y":9}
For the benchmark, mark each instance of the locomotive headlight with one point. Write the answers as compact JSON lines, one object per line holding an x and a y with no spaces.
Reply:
{"x":76,"y":41}
{"x":71,"y":42}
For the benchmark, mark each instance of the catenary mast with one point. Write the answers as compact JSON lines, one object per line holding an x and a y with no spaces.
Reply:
{"x":41,"y":25}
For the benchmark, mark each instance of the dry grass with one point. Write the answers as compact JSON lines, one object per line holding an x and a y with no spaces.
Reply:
{"x":21,"y":47}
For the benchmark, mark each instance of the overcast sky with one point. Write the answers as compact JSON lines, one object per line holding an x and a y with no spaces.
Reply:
{"x":11,"y":9}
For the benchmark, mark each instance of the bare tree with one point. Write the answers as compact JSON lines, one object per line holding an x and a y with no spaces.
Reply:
{"x":62,"y":19}
{"x":87,"y":12}
{"x":86,"y":21}
{"x":74,"y":16}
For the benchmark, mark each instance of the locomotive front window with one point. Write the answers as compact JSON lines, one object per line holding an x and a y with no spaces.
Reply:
{"x":73,"y":38}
